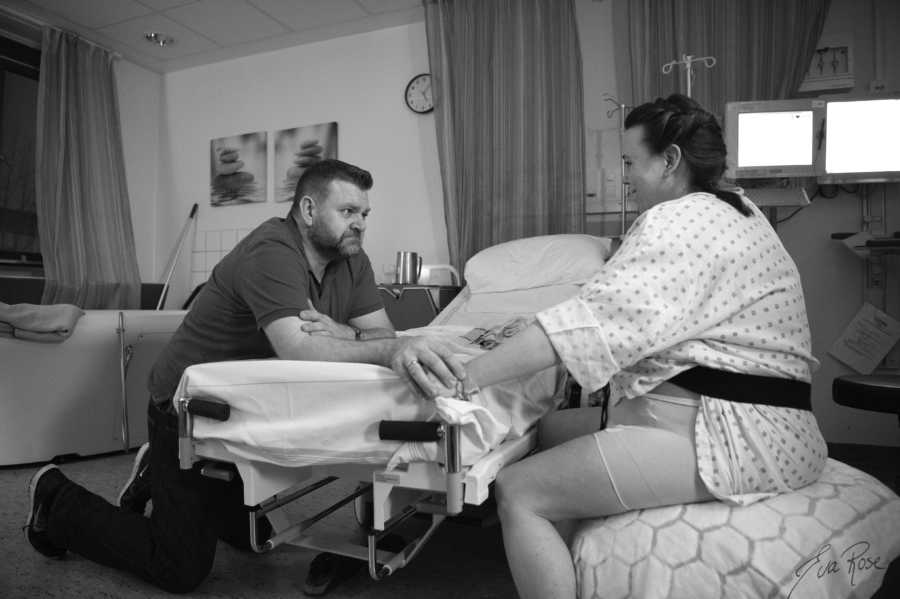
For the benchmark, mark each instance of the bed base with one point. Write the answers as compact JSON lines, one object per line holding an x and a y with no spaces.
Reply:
{"x":429,"y":488}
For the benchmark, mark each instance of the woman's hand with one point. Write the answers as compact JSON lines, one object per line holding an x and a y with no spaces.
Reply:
{"x":427,"y":365}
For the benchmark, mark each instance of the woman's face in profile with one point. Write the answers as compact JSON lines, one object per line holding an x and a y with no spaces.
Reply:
{"x":644,"y":171}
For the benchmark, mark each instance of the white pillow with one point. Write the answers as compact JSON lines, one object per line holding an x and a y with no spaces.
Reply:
{"x":537,"y":262}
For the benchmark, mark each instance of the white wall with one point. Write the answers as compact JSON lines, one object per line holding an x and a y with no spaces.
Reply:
{"x":357,"y":81}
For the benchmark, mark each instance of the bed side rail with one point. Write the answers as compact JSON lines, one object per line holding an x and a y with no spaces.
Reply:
{"x":187,"y":408}
{"x":449,"y":434}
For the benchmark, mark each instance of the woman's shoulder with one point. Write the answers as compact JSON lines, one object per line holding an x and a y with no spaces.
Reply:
{"x":700,"y":207}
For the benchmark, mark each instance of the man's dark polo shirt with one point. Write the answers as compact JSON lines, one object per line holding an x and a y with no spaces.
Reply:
{"x":264,"y":278}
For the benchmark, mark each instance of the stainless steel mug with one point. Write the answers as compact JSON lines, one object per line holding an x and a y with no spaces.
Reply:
{"x":409,"y":268}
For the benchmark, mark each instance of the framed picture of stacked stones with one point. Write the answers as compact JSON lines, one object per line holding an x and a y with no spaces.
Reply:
{"x":297,"y":148}
{"x":237,"y":167}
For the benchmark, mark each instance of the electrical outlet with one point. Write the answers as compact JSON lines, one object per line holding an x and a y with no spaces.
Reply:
{"x":877,"y":86}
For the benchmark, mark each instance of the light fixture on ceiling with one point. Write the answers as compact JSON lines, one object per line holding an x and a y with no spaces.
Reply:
{"x":160,"y":39}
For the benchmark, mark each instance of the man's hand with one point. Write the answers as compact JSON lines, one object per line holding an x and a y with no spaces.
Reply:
{"x":316,"y":323}
{"x":427,"y":365}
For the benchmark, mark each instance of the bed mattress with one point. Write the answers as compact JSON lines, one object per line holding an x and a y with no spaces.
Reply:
{"x":297,"y":413}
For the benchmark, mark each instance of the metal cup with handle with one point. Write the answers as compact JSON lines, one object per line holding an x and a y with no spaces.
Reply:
{"x":409,"y":268}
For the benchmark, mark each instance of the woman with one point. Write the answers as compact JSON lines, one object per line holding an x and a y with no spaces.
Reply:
{"x":699,"y":325}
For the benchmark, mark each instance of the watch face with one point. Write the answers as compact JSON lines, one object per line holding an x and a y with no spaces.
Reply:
{"x":418,"y":94}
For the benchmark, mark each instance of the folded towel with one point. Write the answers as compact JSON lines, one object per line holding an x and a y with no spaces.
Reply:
{"x":52,"y":323}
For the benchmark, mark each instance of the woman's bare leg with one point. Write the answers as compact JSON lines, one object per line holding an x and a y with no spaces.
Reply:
{"x":568,"y":481}
{"x":571,"y":481}
{"x":564,"y":425}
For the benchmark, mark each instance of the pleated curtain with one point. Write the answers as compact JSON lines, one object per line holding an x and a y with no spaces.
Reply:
{"x":509,"y":117}
{"x":762,"y":48}
{"x":84,"y":217}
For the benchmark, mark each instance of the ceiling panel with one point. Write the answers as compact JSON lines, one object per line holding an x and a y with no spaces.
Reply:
{"x":300,"y":15}
{"x":208,"y":31}
{"x":95,"y":13}
{"x":165,"y":4}
{"x":227,"y":22}
{"x":376,"y":6}
{"x":132,"y":33}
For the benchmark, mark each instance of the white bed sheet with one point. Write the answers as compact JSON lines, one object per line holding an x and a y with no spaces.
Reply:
{"x":295,"y":413}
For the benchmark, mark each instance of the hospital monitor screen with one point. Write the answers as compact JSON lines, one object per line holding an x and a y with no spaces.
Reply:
{"x":861,"y":138}
{"x":772,"y":138}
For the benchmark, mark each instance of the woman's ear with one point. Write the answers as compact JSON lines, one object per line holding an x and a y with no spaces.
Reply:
{"x":672,"y":156}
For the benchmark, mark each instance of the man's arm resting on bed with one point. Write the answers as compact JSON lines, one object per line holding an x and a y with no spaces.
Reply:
{"x":291,"y":342}
{"x":374,"y":325}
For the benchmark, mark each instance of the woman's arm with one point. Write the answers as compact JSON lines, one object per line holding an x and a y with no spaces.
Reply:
{"x":528,"y":352}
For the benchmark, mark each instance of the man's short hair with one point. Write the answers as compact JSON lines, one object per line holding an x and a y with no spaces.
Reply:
{"x":316,"y":178}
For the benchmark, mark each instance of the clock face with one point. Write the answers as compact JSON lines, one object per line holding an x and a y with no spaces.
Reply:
{"x":418,"y":94}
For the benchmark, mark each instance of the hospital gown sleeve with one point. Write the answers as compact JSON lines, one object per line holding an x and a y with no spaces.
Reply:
{"x":671,"y":281}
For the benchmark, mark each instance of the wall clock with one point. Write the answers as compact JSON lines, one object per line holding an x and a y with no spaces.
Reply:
{"x":418,"y":94}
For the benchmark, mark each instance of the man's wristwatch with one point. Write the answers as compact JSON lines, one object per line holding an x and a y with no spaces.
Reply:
{"x":357,"y":333}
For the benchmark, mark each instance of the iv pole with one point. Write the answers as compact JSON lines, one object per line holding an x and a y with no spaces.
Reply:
{"x":620,"y":108}
{"x":686,"y":63}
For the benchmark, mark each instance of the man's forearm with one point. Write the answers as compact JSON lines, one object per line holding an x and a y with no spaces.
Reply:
{"x":323,"y":348}
{"x":376,"y":333}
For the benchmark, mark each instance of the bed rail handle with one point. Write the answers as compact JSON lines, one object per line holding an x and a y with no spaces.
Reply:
{"x":209,"y":408}
{"x":400,"y":430}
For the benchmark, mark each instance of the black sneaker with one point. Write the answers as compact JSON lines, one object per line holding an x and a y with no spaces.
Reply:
{"x":136,"y":492}
{"x":42,"y":489}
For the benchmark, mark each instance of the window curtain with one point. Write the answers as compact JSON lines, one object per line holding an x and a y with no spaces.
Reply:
{"x":763,"y":48}
{"x":84,"y":218}
{"x":509,"y":116}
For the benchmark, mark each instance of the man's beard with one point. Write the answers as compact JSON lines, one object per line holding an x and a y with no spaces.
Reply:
{"x":348,"y":244}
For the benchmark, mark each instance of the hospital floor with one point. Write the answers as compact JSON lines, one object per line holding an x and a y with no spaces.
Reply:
{"x":461,"y":559}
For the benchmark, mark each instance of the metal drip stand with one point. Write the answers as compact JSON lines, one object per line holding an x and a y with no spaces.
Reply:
{"x":621,"y":109}
{"x":687,"y":61}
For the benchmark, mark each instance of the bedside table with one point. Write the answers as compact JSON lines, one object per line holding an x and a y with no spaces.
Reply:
{"x":411,"y":306}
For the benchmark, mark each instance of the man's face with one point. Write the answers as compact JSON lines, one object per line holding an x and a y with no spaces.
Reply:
{"x":340,"y":220}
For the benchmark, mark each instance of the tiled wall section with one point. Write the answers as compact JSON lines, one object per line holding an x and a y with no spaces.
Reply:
{"x":209,"y":248}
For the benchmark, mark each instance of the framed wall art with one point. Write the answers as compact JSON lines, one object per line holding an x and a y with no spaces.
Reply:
{"x":296,"y":149}
{"x":237,"y":166}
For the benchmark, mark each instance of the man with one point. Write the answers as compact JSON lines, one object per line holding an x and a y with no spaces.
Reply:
{"x":295,"y":288}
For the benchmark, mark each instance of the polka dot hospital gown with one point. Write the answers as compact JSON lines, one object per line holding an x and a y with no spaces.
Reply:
{"x":697,"y":283}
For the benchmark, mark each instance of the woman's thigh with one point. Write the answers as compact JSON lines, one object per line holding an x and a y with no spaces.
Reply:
{"x":609,"y":472}
{"x":564,"y":425}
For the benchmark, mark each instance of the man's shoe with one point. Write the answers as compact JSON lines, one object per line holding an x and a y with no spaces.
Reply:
{"x":42,"y":489}
{"x":326,"y":570}
{"x":136,"y":492}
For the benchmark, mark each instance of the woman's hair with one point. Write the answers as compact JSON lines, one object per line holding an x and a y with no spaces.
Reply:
{"x":682,"y":121}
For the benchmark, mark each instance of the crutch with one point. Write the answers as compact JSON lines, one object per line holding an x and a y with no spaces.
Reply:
{"x":174,"y":259}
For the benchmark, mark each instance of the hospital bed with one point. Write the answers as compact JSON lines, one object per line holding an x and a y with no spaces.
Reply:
{"x":290,"y":428}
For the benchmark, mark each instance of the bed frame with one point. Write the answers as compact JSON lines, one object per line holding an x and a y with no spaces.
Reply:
{"x":431,"y":488}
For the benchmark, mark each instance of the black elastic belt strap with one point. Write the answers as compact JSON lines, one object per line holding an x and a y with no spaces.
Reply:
{"x":746,"y":388}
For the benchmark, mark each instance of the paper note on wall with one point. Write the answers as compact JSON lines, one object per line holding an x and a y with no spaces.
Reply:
{"x":867,"y":340}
